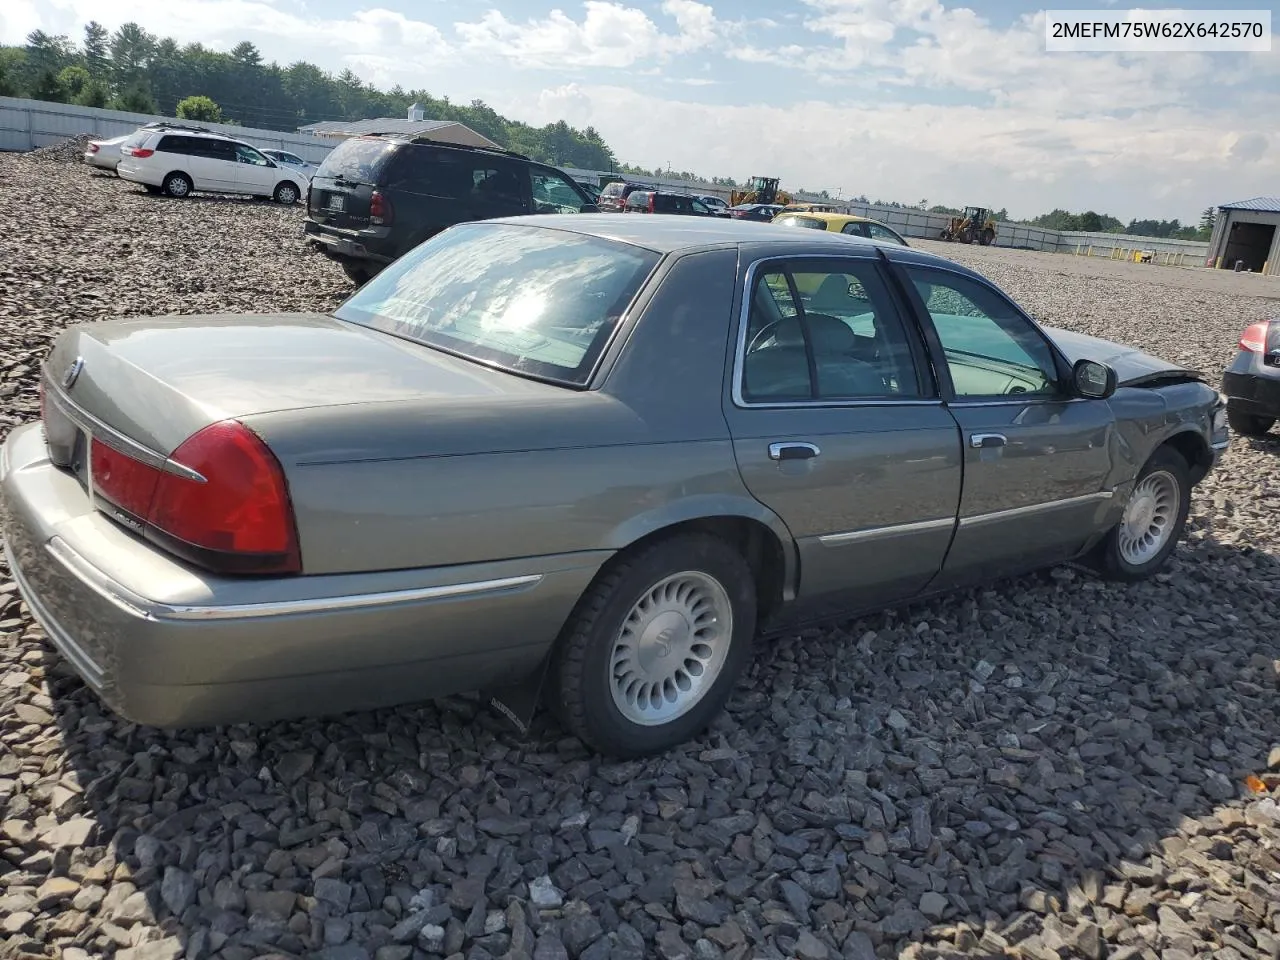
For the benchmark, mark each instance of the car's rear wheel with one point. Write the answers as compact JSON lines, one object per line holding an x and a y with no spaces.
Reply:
{"x":178,"y":185}
{"x":1249,"y":424}
{"x":286,"y":193}
{"x":655,"y":646}
{"x":1153,"y":521}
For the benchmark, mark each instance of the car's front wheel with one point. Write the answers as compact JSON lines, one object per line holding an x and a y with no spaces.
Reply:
{"x":1153,"y":520}
{"x":655,"y":646}
{"x":1249,"y":424}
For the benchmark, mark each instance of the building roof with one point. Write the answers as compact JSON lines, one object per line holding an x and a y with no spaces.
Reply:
{"x":413,"y":128}
{"x":1257,"y":204}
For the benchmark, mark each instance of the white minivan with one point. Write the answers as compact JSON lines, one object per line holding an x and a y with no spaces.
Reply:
{"x":179,"y":162}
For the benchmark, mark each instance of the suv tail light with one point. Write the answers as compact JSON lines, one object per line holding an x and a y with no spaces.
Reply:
{"x":380,"y":211}
{"x":653,"y":202}
{"x":93,"y":148}
{"x":140,"y":152}
{"x":236,"y":519}
{"x":1254,"y":338}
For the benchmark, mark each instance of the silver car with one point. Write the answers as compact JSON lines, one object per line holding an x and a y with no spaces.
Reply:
{"x":104,"y":154}
{"x":586,"y":458}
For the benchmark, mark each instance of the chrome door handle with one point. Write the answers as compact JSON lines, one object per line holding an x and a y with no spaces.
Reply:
{"x":793,"y":451}
{"x":980,"y":440}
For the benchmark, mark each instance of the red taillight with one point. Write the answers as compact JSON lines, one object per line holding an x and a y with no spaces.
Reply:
{"x":238,"y":519}
{"x":653,"y":202}
{"x":380,"y":209}
{"x":93,"y":148}
{"x":1254,"y":338}
{"x":140,"y":152}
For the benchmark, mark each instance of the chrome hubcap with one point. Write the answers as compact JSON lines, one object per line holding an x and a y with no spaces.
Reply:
{"x":671,"y":648}
{"x":178,"y":188}
{"x":288,"y":195}
{"x":1148,"y":519}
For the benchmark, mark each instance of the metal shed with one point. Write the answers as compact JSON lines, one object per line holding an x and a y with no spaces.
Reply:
{"x":1247,"y":232}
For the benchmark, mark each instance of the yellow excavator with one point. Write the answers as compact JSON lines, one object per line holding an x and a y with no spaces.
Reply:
{"x":760,"y":190}
{"x":975,"y":225}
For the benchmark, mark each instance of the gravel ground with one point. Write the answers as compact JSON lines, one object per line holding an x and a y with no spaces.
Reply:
{"x":1054,"y":767}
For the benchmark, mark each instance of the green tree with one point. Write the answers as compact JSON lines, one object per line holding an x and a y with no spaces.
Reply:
{"x":134,"y":99}
{"x":97,"y":50}
{"x":73,"y":80}
{"x":131,"y":50}
{"x":49,"y":87}
{"x":93,"y":94}
{"x":199,"y":108}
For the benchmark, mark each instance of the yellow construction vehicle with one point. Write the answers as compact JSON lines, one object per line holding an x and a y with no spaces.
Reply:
{"x":760,"y":190}
{"x":974,"y":226}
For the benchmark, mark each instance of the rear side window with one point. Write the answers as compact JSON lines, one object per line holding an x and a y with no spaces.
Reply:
{"x":359,"y":160}
{"x":612,"y":190}
{"x":535,"y":301}
{"x":173,"y":144}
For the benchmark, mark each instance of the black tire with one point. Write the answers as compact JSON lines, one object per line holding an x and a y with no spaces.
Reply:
{"x":178,"y":185}
{"x":356,"y":272}
{"x":581,"y":670}
{"x":287,"y":193}
{"x":1249,"y":424}
{"x":1108,"y":558}
{"x":988,"y":237}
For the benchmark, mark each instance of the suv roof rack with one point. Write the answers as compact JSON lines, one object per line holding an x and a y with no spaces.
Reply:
{"x":166,"y":125}
{"x":423,"y":138}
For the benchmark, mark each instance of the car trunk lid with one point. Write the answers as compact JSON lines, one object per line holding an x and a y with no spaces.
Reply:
{"x":158,"y":380}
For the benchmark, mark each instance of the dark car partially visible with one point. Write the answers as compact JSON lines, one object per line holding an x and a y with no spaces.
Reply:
{"x":613,"y":196}
{"x":760,"y":212}
{"x":1252,"y":381}
{"x":374,"y":198}
{"x":656,"y":201}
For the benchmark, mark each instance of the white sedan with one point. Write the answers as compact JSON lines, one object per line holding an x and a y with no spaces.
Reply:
{"x":104,"y":153}
{"x":293,"y":161}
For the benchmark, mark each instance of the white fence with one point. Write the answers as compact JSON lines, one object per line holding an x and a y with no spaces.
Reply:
{"x":29,"y":124}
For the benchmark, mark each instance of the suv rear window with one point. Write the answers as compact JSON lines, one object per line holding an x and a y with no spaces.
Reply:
{"x":538,"y":302}
{"x":359,"y":160}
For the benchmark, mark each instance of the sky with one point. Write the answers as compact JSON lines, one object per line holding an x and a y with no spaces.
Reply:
{"x":903,"y":100}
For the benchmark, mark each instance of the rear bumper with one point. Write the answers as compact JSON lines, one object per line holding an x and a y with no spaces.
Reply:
{"x":1252,"y":387}
{"x":138,"y":172}
{"x":371,"y":245}
{"x":167,"y":645}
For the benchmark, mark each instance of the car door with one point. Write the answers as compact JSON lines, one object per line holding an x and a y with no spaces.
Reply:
{"x":256,"y":173}
{"x":219,"y":163}
{"x":1036,"y":457}
{"x":837,"y":427}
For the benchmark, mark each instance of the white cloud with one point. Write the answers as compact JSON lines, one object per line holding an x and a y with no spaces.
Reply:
{"x":609,"y":35}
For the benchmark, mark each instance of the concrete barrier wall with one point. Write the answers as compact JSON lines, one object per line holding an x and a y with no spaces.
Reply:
{"x":29,"y":124}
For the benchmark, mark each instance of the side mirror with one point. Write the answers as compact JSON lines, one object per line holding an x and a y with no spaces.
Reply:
{"x":1092,"y":379}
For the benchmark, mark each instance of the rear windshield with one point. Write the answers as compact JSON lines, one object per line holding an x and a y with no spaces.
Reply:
{"x":790,"y":220}
{"x":535,"y":301}
{"x":357,"y":160}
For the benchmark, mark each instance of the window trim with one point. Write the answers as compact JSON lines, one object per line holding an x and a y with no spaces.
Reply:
{"x":919,"y":350}
{"x":933,"y":343}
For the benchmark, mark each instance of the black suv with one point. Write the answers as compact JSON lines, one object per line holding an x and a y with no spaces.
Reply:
{"x":376,"y":197}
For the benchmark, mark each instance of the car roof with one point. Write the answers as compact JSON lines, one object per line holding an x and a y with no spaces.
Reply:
{"x":671,"y":233}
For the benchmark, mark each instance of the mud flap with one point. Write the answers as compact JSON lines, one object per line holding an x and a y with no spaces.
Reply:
{"x":519,"y":701}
